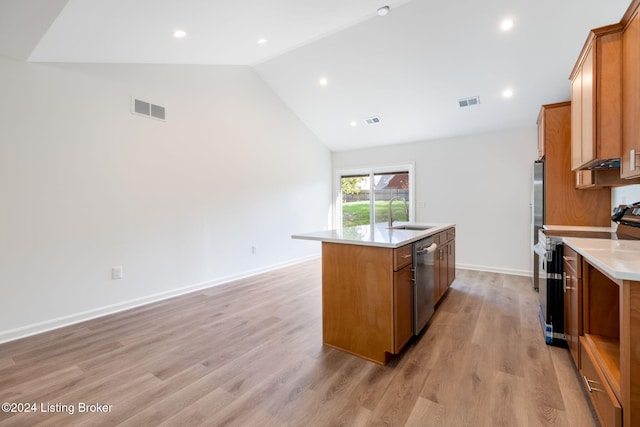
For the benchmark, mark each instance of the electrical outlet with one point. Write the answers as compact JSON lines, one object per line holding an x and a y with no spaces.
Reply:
{"x":117,"y":273}
{"x":253,"y":250}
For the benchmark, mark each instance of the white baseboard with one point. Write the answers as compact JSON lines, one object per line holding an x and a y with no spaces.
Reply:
{"x":49,"y":325}
{"x":484,"y":268}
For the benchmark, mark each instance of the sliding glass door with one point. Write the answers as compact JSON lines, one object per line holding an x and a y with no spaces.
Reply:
{"x":365,"y":195}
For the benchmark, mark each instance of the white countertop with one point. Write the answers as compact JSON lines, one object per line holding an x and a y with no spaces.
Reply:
{"x":577,"y":228}
{"x":375,"y":235}
{"x":620,"y":259}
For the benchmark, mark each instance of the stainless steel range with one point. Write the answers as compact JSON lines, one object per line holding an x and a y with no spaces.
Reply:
{"x":549,"y":250}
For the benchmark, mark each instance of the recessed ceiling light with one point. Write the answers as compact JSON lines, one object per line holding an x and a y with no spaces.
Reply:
{"x":323,"y":81}
{"x":382,"y":11}
{"x":506,"y":24}
{"x":507,"y":93}
{"x":179,"y":34}
{"x":262,"y":41}
{"x":353,"y":124}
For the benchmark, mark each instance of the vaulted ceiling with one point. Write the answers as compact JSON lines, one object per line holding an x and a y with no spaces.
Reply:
{"x":408,"y":68}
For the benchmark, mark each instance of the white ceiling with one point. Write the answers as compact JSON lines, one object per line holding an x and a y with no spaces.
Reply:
{"x":409,"y":68}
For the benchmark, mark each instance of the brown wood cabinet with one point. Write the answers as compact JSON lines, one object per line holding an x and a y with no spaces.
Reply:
{"x":600,"y":345}
{"x":602,"y":178}
{"x":402,"y":308}
{"x":602,"y":395}
{"x":630,"y":151}
{"x":564,"y":203}
{"x":367,"y":299}
{"x":541,"y":125}
{"x":445,"y":262}
{"x":596,"y":96}
{"x":572,"y":278}
{"x":610,"y":346}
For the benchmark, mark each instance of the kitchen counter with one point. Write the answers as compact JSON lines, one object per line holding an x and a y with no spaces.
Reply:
{"x":620,"y":259}
{"x":376,"y":235}
{"x":578,"y":228}
{"x":368,"y":292}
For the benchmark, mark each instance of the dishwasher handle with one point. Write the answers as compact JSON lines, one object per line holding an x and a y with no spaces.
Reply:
{"x":427,"y":249}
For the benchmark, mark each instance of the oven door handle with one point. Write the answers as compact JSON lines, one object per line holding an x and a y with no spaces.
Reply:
{"x":540,"y":250}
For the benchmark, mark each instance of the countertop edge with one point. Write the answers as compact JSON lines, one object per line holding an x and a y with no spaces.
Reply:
{"x":601,"y":258}
{"x":407,"y":236}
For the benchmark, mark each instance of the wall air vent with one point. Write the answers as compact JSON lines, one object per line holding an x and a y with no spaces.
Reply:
{"x":372,"y":120}
{"x":468,"y":102}
{"x":148,"y":109}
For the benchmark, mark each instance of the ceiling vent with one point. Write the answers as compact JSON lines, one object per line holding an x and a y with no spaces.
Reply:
{"x":372,"y":120}
{"x":148,"y":109}
{"x":468,"y":102}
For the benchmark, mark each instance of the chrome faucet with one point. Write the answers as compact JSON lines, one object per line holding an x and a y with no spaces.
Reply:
{"x":406,"y":208}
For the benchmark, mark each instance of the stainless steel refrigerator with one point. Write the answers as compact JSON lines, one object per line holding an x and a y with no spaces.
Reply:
{"x":537,"y":214}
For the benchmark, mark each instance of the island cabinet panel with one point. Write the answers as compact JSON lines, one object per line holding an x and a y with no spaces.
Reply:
{"x":357,"y":299}
{"x":367,"y":299}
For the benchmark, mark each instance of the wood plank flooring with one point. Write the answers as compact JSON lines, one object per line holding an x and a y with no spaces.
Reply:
{"x":250,"y":354}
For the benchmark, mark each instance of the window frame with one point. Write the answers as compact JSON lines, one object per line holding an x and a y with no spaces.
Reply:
{"x":371,"y":171}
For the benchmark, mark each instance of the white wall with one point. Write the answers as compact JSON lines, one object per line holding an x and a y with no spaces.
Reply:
{"x":625,"y":195}
{"x":482,"y":183}
{"x":86,"y":185}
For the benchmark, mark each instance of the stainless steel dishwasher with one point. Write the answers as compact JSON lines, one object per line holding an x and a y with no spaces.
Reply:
{"x":423,"y":282}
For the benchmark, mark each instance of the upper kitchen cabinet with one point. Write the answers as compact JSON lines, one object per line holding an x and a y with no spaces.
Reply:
{"x":630,"y":152}
{"x":596,"y":99}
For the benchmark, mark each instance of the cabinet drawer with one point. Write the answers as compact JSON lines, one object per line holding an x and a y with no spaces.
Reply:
{"x":604,"y":401}
{"x":402,"y":256}
{"x":451,"y":234}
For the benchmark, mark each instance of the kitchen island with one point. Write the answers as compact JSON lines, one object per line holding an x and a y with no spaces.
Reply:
{"x":605,"y":275}
{"x":367,"y":279}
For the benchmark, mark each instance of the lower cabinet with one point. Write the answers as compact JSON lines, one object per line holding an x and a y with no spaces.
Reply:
{"x":402,"y":307}
{"x":445,"y":262}
{"x":572,"y":281}
{"x":592,"y":328}
{"x":602,"y":396}
{"x":367,"y":299}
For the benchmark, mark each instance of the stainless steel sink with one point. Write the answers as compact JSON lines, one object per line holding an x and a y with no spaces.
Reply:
{"x":414,"y":227}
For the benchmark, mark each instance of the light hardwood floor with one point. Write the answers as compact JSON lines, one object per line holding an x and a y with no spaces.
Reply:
{"x":250,"y":354}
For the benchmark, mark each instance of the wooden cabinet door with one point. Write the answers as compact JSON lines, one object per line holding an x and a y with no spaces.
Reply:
{"x":451,"y":262}
{"x":572,"y":302}
{"x":588,"y":110}
{"x":402,"y":307}
{"x":541,"y":128}
{"x":576,"y":121}
{"x":630,"y":156}
{"x":584,"y":179}
{"x":443,"y":268}
{"x":437,"y":287}
{"x":596,"y":88}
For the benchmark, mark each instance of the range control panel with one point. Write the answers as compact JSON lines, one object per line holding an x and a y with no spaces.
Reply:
{"x":627,"y":214}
